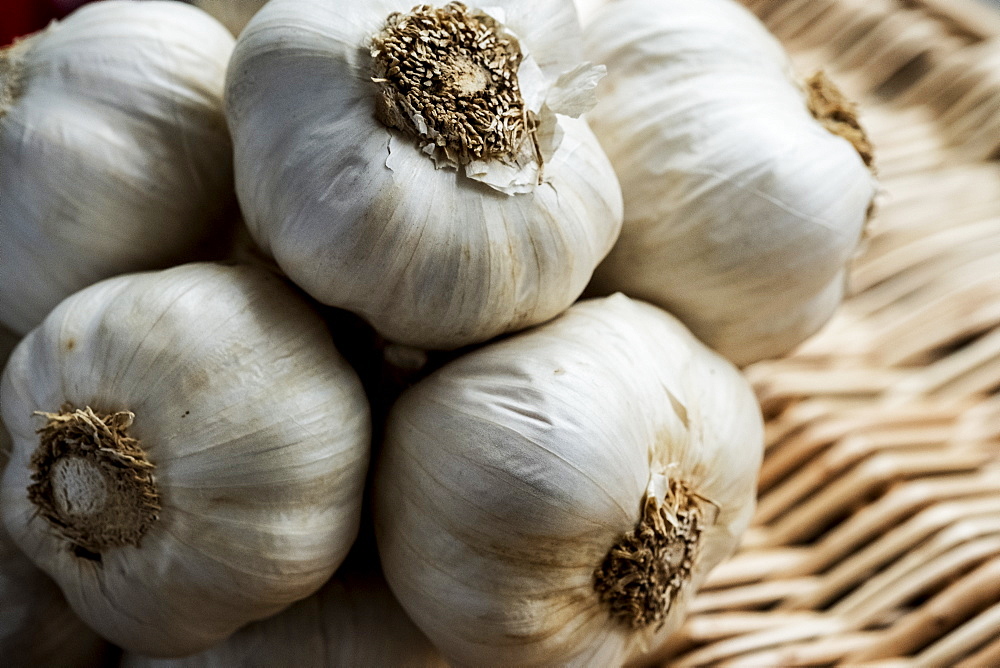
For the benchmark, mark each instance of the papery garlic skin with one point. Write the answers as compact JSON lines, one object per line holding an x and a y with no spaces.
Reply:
{"x":114,"y":152}
{"x":507,"y":476}
{"x":741,"y":210}
{"x":434,"y":254}
{"x":352,"y":621}
{"x":257,"y":431}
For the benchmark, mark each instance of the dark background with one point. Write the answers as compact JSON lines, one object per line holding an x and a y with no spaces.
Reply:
{"x":20,"y":17}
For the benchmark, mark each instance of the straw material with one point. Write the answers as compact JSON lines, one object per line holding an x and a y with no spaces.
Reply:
{"x":877,"y":537}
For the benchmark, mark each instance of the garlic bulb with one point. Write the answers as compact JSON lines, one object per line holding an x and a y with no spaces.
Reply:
{"x":352,"y":621}
{"x":557,"y":497}
{"x":37,"y":628}
{"x":444,"y":212}
{"x":742,"y":208}
{"x":189,"y":453}
{"x":234,"y":14}
{"x":114,"y":152}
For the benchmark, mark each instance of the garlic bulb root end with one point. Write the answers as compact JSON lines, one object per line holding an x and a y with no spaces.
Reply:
{"x":448,"y":76}
{"x":92,"y":481}
{"x":643,"y":573}
{"x":838,"y":115}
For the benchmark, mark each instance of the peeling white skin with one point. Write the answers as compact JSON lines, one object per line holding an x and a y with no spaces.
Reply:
{"x":115,"y":157}
{"x":741,"y":210}
{"x":506,"y":476}
{"x":258,"y":430}
{"x":361,"y":218}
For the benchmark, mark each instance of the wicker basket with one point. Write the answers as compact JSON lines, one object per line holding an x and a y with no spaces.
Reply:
{"x":877,"y":536}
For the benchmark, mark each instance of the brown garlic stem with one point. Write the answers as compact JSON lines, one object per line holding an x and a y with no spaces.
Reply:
{"x":838,"y":115}
{"x":11,"y":78}
{"x":448,"y":76}
{"x":92,"y":481}
{"x":643,"y":572}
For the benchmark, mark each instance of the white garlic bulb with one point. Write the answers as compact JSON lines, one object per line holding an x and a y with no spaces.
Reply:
{"x":741,"y":208}
{"x":201,"y":455}
{"x":444,"y":212}
{"x":557,"y":497}
{"x":352,"y":621}
{"x":114,"y":152}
